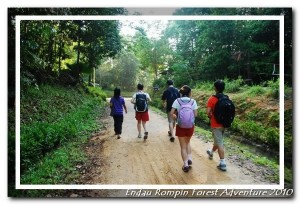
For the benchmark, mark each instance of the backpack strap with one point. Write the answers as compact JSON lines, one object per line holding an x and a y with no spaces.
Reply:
{"x":219,"y":95}
{"x":179,"y":99}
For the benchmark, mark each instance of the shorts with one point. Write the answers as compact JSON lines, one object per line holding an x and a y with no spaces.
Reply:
{"x":218,"y":135}
{"x":184,"y":132}
{"x":142,"y":116}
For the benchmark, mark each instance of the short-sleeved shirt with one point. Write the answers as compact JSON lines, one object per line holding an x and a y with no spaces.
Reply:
{"x":176,"y":104}
{"x":133,"y":100}
{"x":118,"y":103}
{"x":184,"y":132}
{"x":170,"y":93}
{"x":211,"y":103}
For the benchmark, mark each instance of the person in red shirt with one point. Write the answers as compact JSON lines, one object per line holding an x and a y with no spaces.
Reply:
{"x":217,"y":128}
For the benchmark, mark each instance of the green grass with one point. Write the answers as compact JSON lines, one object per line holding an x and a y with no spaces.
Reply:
{"x":52,"y":139}
{"x":57,"y":167}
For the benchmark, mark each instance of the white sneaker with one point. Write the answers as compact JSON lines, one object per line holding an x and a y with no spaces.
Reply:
{"x":210,"y":154}
{"x":222,"y":167}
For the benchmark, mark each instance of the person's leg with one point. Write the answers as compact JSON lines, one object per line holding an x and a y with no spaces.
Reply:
{"x":145,"y":119}
{"x":215,"y":147}
{"x":119,"y":121}
{"x":138,"y":118}
{"x":183,"y":149}
{"x":139,"y":127}
{"x":115,"y":124}
{"x":189,"y":150}
{"x":145,"y":130}
{"x":144,"y":126}
{"x":218,"y":141}
{"x":180,"y":133}
{"x":219,"y":133}
{"x":171,"y":122}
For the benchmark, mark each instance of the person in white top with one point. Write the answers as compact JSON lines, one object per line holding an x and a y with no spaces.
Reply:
{"x":184,"y":109}
{"x":140,"y":101}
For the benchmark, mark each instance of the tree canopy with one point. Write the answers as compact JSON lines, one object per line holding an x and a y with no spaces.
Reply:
{"x":188,"y":51}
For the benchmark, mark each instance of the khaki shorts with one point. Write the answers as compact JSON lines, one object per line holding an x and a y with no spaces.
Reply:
{"x":218,"y":135}
{"x":170,"y":118}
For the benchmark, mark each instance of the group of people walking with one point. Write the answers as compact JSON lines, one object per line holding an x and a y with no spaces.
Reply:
{"x":181,"y":110}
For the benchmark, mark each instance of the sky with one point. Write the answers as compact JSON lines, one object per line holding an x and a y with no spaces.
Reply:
{"x":165,"y":5}
{"x":153,"y":32}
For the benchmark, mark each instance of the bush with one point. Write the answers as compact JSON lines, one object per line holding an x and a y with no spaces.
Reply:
{"x":274,"y":88}
{"x":233,"y":85}
{"x":97,"y":92}
{"x":157,"y":102}
{"x":206,"y":85}
{"x":256,"y":90}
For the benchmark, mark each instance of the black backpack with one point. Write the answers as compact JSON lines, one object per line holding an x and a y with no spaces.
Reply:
{"x":224,"y":110}
{"x":141,"y":104}
{"x":173,"y":95}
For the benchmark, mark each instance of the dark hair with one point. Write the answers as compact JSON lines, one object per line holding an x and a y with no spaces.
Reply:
{"x":170,"y":82}
{"x":185,"y":90}
{"x":140,"y":86}
{"x":219,"y":85}
{"x":117,"y":92}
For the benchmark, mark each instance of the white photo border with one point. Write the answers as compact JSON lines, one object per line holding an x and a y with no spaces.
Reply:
{"x":156,"y":17}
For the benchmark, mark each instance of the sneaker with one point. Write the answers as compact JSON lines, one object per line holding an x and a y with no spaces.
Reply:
{"x":210,"y":154}
{"x":190,"y":162}
{"x":139,"y":136}
{"x":118,"y":137}
{"x":169,"y":133}
{"x":222,"y":167}
{"x":186,"y":169}
{"x":146,"y":135}
{"x":172,"y":139}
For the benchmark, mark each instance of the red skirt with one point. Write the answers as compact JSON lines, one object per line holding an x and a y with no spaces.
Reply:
{"x":143,"y":116}
{"x":184,"y":132}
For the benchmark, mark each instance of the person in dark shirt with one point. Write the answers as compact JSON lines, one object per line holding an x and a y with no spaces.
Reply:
{"x":117,"y":103}
{"x":168,"y":97}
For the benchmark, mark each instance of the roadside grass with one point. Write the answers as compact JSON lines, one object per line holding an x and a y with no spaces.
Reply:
{"x":51,"y":146}
{"x":57,"y":167}
{"x":257,"y":121}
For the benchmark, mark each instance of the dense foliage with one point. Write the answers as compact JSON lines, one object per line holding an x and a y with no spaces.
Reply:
{"x":59,"y":58}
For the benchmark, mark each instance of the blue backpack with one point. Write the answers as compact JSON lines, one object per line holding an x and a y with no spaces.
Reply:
{"x":186,"y":116}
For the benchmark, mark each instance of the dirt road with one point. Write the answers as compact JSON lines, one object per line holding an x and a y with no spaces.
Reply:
{"x":131,"y":161}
